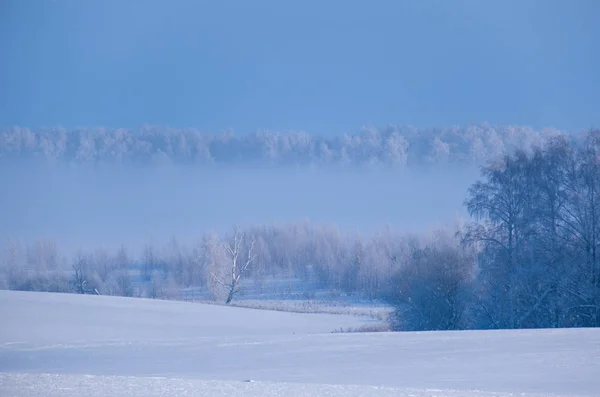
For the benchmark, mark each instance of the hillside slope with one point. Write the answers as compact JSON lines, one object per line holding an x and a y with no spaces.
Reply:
{"x":49,"y":342}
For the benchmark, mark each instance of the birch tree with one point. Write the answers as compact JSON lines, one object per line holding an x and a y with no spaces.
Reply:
{"x":241,"y":256}
{"x":503,"y":201}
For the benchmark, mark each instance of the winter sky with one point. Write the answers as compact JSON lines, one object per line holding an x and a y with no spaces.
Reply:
{"x":326,"y":67}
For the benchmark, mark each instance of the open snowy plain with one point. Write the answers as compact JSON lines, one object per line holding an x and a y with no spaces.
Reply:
{"x":73,"y":345}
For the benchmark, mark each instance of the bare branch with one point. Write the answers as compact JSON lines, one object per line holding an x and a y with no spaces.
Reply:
{"x":251,"y":256}
{"x":218,"y":280}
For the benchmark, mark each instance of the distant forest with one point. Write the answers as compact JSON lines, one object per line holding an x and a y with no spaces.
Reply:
{"x":529,"y":257}
{"x":396,"y":146}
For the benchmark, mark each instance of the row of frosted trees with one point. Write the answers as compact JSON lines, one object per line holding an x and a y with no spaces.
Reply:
{"x":317,"y":256}
{"x":528,"y":258}
{"x":391,"y":145}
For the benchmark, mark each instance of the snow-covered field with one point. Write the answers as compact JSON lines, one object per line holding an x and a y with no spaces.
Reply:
{"x":72,"y":345}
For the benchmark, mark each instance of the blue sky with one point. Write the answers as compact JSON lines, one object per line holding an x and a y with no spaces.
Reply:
{"x":326,"y":67}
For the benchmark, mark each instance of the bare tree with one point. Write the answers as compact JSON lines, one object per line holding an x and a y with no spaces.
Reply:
{"x":239,"y":262}
{"x":504,"y":201}
{"x":150,"y":262}
{"x":78,"y":276}
{"x":12,"y":262}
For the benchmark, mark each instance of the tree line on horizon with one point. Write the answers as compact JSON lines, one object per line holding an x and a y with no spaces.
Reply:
{"x":396,"y":146}
{"x":529,"y":257}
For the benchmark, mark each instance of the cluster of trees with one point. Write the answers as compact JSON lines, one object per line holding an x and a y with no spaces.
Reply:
{"x":320,"y":257}
{"x":390,"y":146}
{"x":41,"y":267}
{"x":538,"y":237}
{"x":529,"y":258}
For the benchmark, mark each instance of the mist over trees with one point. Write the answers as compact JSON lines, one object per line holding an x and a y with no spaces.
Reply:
{"x":396,"y":146}
{"x":527,"y":258}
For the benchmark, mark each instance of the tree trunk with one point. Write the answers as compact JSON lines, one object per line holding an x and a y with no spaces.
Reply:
{"x":231,"y":293}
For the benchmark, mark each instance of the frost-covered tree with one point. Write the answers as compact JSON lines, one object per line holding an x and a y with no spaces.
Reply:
{"x":241,"y":256}
{"x":432,"y":287}
{"x":538,"y":234}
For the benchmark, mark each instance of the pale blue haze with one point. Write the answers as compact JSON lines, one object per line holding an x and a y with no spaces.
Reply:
{"x":326,"y":67}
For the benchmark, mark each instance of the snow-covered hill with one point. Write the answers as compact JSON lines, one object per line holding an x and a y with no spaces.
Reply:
{"x":71,"y":345}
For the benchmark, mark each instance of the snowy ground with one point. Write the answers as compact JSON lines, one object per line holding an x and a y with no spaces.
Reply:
{"x":70,"y":345}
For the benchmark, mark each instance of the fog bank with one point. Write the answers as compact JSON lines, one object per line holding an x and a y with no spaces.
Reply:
{"x":93,"y":206}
